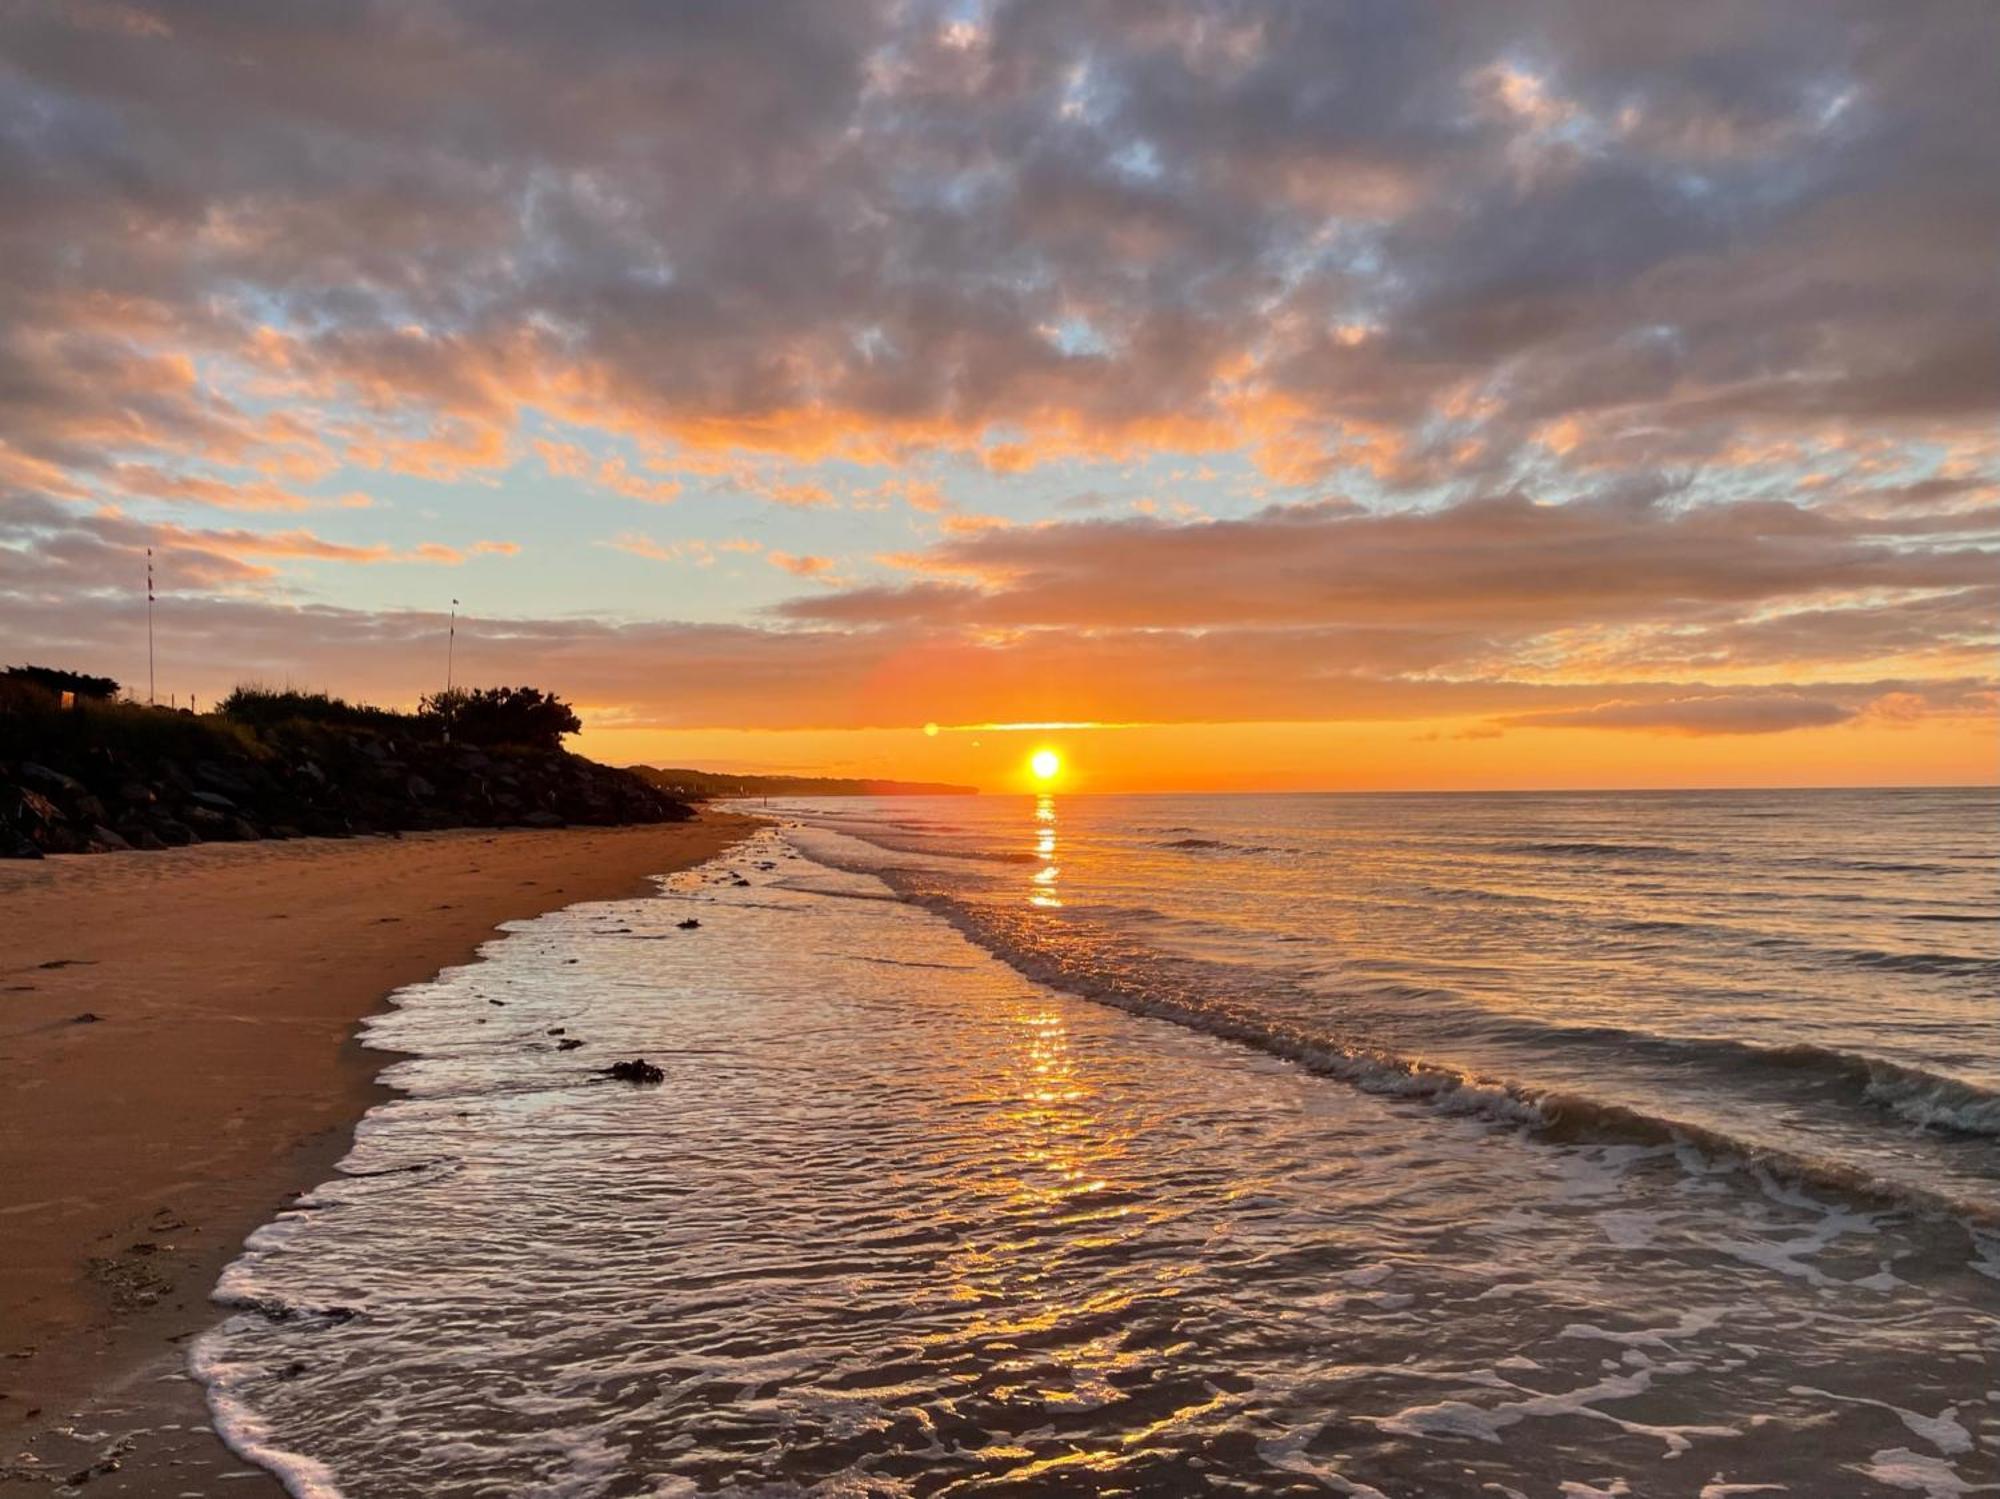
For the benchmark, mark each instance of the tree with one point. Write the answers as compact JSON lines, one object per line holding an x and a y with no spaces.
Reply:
{"x":503,"y":715}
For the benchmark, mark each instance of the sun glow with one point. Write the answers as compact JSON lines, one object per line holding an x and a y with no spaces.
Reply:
{"x":1044,"y":764}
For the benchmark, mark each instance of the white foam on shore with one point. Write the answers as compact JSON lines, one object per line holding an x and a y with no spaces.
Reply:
{"x":243,"y":1432}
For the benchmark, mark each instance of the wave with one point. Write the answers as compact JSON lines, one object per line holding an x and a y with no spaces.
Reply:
{"x":1608,"y":851}
{"x":1824,"y":862}
{"x":1933,"y":1101}
{"x":1746,"y":1118}
{"x":1555,"y":1113}
{"x":1223,"y":845}
{"x":1922,"y":962}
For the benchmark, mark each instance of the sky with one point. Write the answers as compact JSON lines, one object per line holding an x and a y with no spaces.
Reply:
{"x":1234,"y":396}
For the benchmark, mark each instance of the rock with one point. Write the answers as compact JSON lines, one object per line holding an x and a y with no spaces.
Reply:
{"x":136,"y":794}
{"x":244,"y":831}
{"x":638,"y":1070}
{"x":86,"y":1018}
{"x":52,"y":781}
{"x":542,"y":818}
{"x":104,"y":840}
{"x":570,"y":1044}
{"x":215,"y":801}
{"x":31,"y":810}
{"x":220,"y":778}
{"x":14,"y":846}
{"x":689,"y":925}
{"x":420,"y":789}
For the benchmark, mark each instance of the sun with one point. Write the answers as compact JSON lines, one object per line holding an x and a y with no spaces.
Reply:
{"x":1044,"y":763}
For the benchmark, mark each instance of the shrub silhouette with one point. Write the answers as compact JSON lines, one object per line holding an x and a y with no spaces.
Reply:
{"x":525,"y":716}
{"x":59,"y":680}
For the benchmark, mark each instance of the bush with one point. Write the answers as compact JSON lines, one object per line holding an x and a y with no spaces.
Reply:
{"x":525,"y":716}
{"x":33,"y":727}
{"x":267,"y":707}
{"x":59,"y":680}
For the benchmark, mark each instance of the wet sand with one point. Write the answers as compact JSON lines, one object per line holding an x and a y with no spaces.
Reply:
{"x":219,"y":1076}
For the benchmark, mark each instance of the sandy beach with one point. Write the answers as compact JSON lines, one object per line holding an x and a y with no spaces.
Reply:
{"x":177,"y":1032}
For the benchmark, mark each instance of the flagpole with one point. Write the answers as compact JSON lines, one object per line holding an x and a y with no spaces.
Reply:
{"x":450,"y":650}
{"x":151,"y":683}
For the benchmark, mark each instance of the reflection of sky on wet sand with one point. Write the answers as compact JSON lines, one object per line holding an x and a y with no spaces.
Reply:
{"x":1042,"y":891}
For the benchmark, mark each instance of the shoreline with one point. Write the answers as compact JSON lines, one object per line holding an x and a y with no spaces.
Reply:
{"x":218,"y":1074}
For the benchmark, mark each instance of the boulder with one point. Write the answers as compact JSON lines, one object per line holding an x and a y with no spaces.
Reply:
{"x":221,"y":778}
{"x":54,"y":782}
{"x":14,"y":846}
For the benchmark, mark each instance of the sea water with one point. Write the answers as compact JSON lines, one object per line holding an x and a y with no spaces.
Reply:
{"x":1238,"y":1145}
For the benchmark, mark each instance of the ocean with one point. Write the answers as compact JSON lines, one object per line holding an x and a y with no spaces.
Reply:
{"x":1561,"y":1145}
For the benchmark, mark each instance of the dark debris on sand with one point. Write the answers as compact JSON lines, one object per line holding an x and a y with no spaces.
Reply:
{"x":637,"y":1070}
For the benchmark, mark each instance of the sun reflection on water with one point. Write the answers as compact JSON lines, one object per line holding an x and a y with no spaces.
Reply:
{"x":1042,"y":891}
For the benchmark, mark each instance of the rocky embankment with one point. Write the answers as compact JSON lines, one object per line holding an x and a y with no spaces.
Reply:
{"x":100,"y":798}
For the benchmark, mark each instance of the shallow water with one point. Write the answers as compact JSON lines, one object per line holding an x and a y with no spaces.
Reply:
{"x":901,"y":1219}
{"x":1810,"y":975}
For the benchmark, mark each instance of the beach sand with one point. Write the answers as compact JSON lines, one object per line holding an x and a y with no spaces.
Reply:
{"x":219,"y":1075}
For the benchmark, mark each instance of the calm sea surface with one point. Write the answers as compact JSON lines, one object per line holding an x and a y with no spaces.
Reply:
{"x":1510,"y":1145}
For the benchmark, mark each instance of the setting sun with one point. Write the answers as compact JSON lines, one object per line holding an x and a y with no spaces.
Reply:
{"x":1044,"y":763}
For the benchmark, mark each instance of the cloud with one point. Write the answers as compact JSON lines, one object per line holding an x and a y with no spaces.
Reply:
{"x":818,"y":228}
{"x":1766,"y":713}
{"x":693,"y":676}
{"x":818,"y":568}
{"x":639,"y":545}
{"x":1650,"y":348}
{"x":54,"y":556}
{"x":1489,"y":571}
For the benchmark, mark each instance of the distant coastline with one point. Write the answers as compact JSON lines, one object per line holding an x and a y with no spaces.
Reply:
{"x":705,"y":784}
